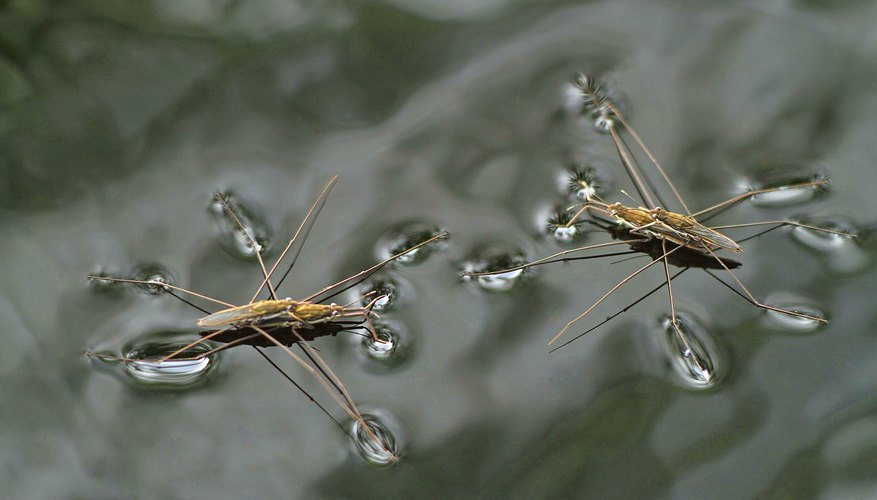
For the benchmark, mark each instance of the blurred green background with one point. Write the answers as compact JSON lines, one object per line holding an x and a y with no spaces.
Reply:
{"x":118,"y":120}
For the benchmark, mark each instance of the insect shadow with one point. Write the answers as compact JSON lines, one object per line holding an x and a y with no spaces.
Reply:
{"x":284,"y":322}
{"x":671,"y":238}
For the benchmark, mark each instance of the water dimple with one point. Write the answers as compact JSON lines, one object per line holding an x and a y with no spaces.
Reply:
{"x":381,"y":287}
{"x":390,"y":347}
{"x":381,"y":446}
{"x":596,"y":97}
{"x":235,"y":238}
{"x":558,"y":225}
{"x":406,"y":235}
{"x":154,"y":274}
{"x":581,"y":181}
{"x":784,"y":180}
{"x":140,"y":362}
{"x":495,"y":258}
{"x":796,"y":304}
{"x":841,"y":252}
{"x":691,"y":351}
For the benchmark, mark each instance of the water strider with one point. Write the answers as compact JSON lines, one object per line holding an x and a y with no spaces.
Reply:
{"x":285,"y":322}
{"x":662,"y":234}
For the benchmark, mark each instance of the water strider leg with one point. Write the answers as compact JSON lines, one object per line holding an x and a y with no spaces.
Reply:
{"x":353,"y":411}
{"x":302,"y":390}
{"x":753,"y":192}
{"x":256,"y":247}
{"x":193,"y":344}
{"x":612,"y":290}
{"x":558,"y":254}
{"x":620,"y":311}
{"x":600,"y":207}
{"x":303,"y":230}
{"x":752,"y":300}
{"x":648,"y":153}
{"x":368,"y":272}
{"x":780,"y":223}
{"x":161,"y":284}
{"x":689,"y":352}
{"x":629,"y":165}
{"x":349,"y":409}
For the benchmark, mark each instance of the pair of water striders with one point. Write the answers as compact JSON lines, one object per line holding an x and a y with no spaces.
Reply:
{"x":678,"y":238}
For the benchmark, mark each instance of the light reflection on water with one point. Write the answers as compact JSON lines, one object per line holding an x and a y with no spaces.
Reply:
{"x":118,"y":128}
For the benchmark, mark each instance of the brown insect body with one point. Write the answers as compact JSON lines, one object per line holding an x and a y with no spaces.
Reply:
{"x":694,"y":231}
{"x":271,"y":311}
{"x":642,"y":221}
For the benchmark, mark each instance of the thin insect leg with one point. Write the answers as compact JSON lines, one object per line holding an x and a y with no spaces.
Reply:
{"x":368,"y":313}
{"x":172,"y":294}
{"x":689,"y":352}
{"x":313,"y":361}
{"x":760,"y":233}
{"x":354,"y":301}
{"x":256,"y":247}
{"x":220,"y":348}
{"x":348,"y":406}
{"x":367,"y":272}
{"x":585,"y":207}
{"x":302,"y":390}
{"x":160,"y":284}
{"x":619,"y":312}
{"x":303,"y":229}
{"x":755,"y":301}
{"x":598,"y":102}
{"x":648,"y":153}
{"x":588,"y":257}
{"x":558,"y":254}
{"x":304,"y":322}
{"x":612,"y":290}
{"x":646,"y":178}
{"x":748,"y":194}
{"x":631,"y":170}
{"x":644,"y":227}
{"x":781,"y":223}
{"x":358,"y":416}
{"x":343,"y":404}
{"x":194,"y":343}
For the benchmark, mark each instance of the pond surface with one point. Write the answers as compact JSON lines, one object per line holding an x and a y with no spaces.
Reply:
{"x":119,"y":120}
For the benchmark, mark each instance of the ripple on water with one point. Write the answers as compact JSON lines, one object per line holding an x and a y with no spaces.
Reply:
{"x":406,"y":235}
{"x":389,"y":350}
{"x":587,"y":95}
{"x":233,"y":236}
{"x":555,"y":225}
{"x":490,"y":258}
{"x":140,"y":362}
{"x":840,"y":251}
{"x":381,"y":287}
{"x":798,"y":304}
{"x":579,"y":181}
{"x":691,"y":351}
{"x":155,"y":274}
{"x":783,"y":178}
{"x":387,"y":449}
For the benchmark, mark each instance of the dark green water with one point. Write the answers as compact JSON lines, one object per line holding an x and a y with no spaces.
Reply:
{"x":118,"y":120}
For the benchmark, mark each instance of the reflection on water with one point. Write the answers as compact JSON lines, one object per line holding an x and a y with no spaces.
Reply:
{"x":388,"y":449}
{"x":118,"y":120}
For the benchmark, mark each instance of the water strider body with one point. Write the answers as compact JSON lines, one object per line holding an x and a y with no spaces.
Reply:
{"x":281,"y":312}
{"x":284,"y":323}
{"x":681,"y":229}
{"x":665,"y":235}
